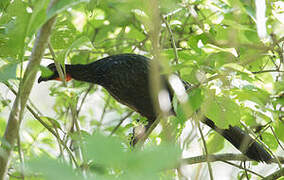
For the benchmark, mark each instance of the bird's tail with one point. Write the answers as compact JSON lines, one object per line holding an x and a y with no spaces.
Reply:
{"x":242,"y":141}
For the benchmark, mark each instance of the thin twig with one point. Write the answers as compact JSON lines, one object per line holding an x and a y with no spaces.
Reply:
{"x":246,"y":170}
{"x":46,"y":126}
{"x":121,"y":121}
{"x":266,"y":71}
{"x":104,"y":111}
{"x":84,"y":98}
{"x":206,"y":151}
{"x":172,"y":39}
{"x":81,"y":151}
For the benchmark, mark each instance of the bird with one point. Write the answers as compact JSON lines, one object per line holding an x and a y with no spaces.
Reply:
{"x":127,"y":79}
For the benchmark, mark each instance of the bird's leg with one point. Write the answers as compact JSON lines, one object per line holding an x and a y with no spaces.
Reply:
{"x":141,"y":133}
{"x":137,"y":133}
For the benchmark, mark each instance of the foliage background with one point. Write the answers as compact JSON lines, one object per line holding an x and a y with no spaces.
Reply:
{"x":231,"y":51}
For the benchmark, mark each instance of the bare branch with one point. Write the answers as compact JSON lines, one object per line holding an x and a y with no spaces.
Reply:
{"x":121,"y":121}
{"x":266,"y":71}
{"x":172,"y":39}
{"x":222,"y":157}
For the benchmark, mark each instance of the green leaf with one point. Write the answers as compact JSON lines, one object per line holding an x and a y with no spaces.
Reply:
{"x":279,"y":129}
{"x":220,"y":58}
{"x":236,"y":67}
{"x":215,"y":143}
{"x":4,"y":5}
{"x":221,"y":109}
{"x":8,"y":71}
{"x":193,"y":43}
{"x":12,"y":41}
{"x":243,"y":175}
{"x":279,"y":86}
{"x":109,"y":152}
{"x":168,"y":6}
{"x":92,"y":5}
{"x":80,"y":58}
{"x":270,"y":140}
{"x":45,"y":72}
{"x":155,"y":158}
{"x":48,"y":141}
{"x":180,"y":114}
{"x":252,"y":93}
{"x":135,"y":34}
{"x":53,"y":169}
{"x":38,"y":17}
{"x":248,"y":116}
{"x":195,"y":98}
{"x":75,"y":44}
{"x":106,"y":151}
{"x":63,"y":5}
{"x":33,"y":127}
{"x":64,"y":34}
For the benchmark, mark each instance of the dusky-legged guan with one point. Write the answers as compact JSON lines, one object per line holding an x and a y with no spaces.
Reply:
{"x":126,"y":78}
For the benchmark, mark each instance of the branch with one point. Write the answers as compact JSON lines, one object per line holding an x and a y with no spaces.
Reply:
{"x":222,"y":157}
{"x":266,"y":71}
{"x":26,"y":84}
{"x":172,"y":39}
{"x":120,"y":122}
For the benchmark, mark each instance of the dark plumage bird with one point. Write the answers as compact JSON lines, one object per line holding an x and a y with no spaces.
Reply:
{"x":126,"y":78}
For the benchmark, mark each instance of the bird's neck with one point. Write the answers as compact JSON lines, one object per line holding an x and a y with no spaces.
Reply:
{"x":81,"y":72}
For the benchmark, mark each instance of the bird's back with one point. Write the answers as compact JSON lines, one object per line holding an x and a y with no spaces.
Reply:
{"x":126,"y":77}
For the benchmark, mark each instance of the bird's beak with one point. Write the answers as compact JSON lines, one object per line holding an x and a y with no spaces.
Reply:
{"x":40,"y":79}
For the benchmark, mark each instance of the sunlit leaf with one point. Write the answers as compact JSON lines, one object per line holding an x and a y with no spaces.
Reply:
{"x":279,"y":129}
{"x":195,"y":98}
{"x":64,"y":34}
{"x":45,"y":72}
{"x":8,"y":71}
{"x":270,"y":140}
{"x":38,"y":16}
{"x":13,"y":40}
{"x":222,"y":110}
{"x":252,"y":93}
{"x":62,"y":6}
{"x":215,"y":143}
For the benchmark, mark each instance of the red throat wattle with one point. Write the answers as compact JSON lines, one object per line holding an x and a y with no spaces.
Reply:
{"x":67,"y":78}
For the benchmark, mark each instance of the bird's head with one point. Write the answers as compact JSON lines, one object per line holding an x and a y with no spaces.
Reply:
{"x":53,"y":75}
